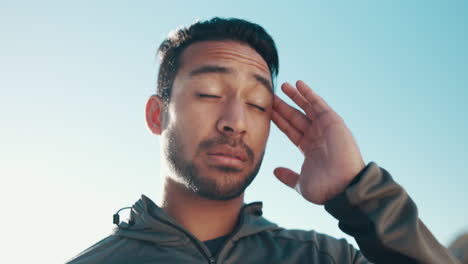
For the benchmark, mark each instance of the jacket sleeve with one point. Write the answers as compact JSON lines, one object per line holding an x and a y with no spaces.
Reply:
{"x":384,"y":221}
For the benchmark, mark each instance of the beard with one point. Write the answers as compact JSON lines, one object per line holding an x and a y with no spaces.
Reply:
{"x":228,"y":184}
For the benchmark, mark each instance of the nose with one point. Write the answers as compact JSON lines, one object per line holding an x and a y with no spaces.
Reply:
{"x":233,"y":120}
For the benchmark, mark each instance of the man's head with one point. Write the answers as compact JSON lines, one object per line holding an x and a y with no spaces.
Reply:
{"x":213,"y":106}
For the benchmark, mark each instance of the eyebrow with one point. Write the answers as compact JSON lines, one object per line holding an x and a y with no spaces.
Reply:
{"x":224,"y":70}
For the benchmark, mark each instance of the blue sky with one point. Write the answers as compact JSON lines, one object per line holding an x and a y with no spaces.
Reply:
{"x":75,"y":76}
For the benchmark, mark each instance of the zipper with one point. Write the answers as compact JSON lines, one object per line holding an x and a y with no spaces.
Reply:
{"x":194,"y":240}
{"x":236,"y":230}
{"x":197,"y":243}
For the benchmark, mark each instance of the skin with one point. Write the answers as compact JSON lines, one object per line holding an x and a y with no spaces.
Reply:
{"x":241,"y":111}
{"x":228,"y":108}
{"x":331,"y":155}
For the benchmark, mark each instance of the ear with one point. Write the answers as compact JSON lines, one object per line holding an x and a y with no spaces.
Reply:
{"x":154,"y":116}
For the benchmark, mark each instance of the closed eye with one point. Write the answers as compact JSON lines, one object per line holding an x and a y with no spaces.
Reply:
{"x":208,"y":96}
{"x":258,"y":107}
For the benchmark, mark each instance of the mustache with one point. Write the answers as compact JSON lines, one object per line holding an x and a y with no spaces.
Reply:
{"x":224,"y":140}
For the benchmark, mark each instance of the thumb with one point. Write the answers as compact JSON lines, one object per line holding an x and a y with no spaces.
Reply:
{"x":287,"y":176}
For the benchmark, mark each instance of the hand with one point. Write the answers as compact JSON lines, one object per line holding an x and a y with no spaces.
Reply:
{"x":331,"y":156}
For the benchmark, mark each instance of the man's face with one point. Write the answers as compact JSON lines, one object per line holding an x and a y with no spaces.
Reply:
{"x":218,"y":118}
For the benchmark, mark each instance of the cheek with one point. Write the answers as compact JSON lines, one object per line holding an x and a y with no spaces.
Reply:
{"x":200,"y":116}
{"x":260,"y":131}
{"x":194,"y":125}
{"x":199,"y":119}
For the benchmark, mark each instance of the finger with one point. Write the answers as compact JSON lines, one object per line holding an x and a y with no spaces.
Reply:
{"x":287,"y":176}
{"x":292,"y":92}
{"x":318,"y":105}
{"x":297,"y":97}
{"x":293,"y":133}
{"x":293,"y":115}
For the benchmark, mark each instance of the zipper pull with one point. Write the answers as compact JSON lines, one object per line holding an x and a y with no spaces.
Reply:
{"x":212,"y":260}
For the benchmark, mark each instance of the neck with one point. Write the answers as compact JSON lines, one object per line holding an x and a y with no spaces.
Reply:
{"x":205,"y":219}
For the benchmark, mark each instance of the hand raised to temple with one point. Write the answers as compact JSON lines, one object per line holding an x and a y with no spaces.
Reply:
{"x":331,"y":155}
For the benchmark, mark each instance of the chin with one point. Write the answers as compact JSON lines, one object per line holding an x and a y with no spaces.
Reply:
{"x":224,"y":184}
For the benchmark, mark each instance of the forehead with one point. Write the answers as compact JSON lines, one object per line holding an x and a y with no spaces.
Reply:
{"x":225,"y":51}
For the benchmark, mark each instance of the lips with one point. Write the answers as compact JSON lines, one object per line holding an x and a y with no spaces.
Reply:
{"x":229,"y":152}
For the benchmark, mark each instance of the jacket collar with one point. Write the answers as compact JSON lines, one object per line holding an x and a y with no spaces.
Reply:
{"x":151,"y":223}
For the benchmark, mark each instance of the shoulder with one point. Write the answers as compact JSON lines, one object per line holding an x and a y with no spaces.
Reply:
{"x":318,"y":240}
{"x":111,"y":249}
{"x":318,"y":246}
{"x":297,"y":246}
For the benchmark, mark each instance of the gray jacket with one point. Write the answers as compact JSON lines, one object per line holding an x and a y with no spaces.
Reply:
{"x":373,"y":209}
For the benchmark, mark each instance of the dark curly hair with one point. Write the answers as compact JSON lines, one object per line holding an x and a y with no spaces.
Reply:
{"x":214,"y":29}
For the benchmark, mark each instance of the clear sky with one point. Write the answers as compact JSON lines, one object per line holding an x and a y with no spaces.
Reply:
{"x":75,"y":76}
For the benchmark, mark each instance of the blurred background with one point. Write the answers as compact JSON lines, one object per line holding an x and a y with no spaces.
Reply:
{"x":75,"y":77}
